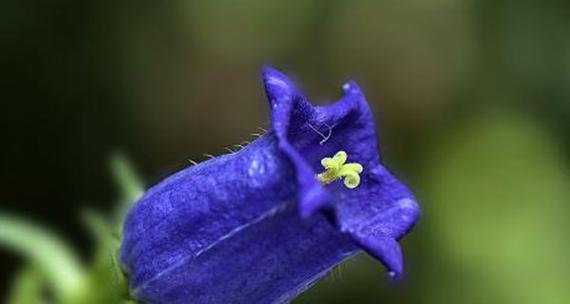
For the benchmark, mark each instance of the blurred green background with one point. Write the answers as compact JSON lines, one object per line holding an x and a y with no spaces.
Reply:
{"x":472,"y":100}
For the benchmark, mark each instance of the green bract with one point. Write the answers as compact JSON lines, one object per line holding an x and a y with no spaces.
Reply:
{"x":52,"y":265}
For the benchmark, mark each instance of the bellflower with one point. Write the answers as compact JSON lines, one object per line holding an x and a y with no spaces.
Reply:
{"x":263,"y":224}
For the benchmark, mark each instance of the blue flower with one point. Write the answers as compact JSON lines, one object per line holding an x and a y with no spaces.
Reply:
{"x":263,"y":224}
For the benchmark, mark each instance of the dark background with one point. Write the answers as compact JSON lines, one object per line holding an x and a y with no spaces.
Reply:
{"x":472,"y":101}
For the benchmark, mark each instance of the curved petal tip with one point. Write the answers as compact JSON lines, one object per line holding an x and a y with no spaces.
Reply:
{"x":277,"y":85}
{"x":351,"y":87}
{"x":388,"y":251}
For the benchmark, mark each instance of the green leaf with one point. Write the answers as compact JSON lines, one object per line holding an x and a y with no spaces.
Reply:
{"x":53,"y":258}
{"x":106,"y":277}
{"x":27,"y":287}
{"x":130,"y":185}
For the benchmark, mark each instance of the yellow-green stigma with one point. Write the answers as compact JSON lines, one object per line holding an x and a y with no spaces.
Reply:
{"x":337,"y":169}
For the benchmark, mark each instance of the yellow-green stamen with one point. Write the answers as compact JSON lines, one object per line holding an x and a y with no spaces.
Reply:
{"x":337,"y":169}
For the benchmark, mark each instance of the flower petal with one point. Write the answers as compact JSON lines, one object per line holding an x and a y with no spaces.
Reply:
{"x":272,"y":260}
{"x":377,"y":214}
{"x":191,"y":210}
{"x":290,"y":112}
{"x":376,"y":210}
{"x":307,"y":134}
